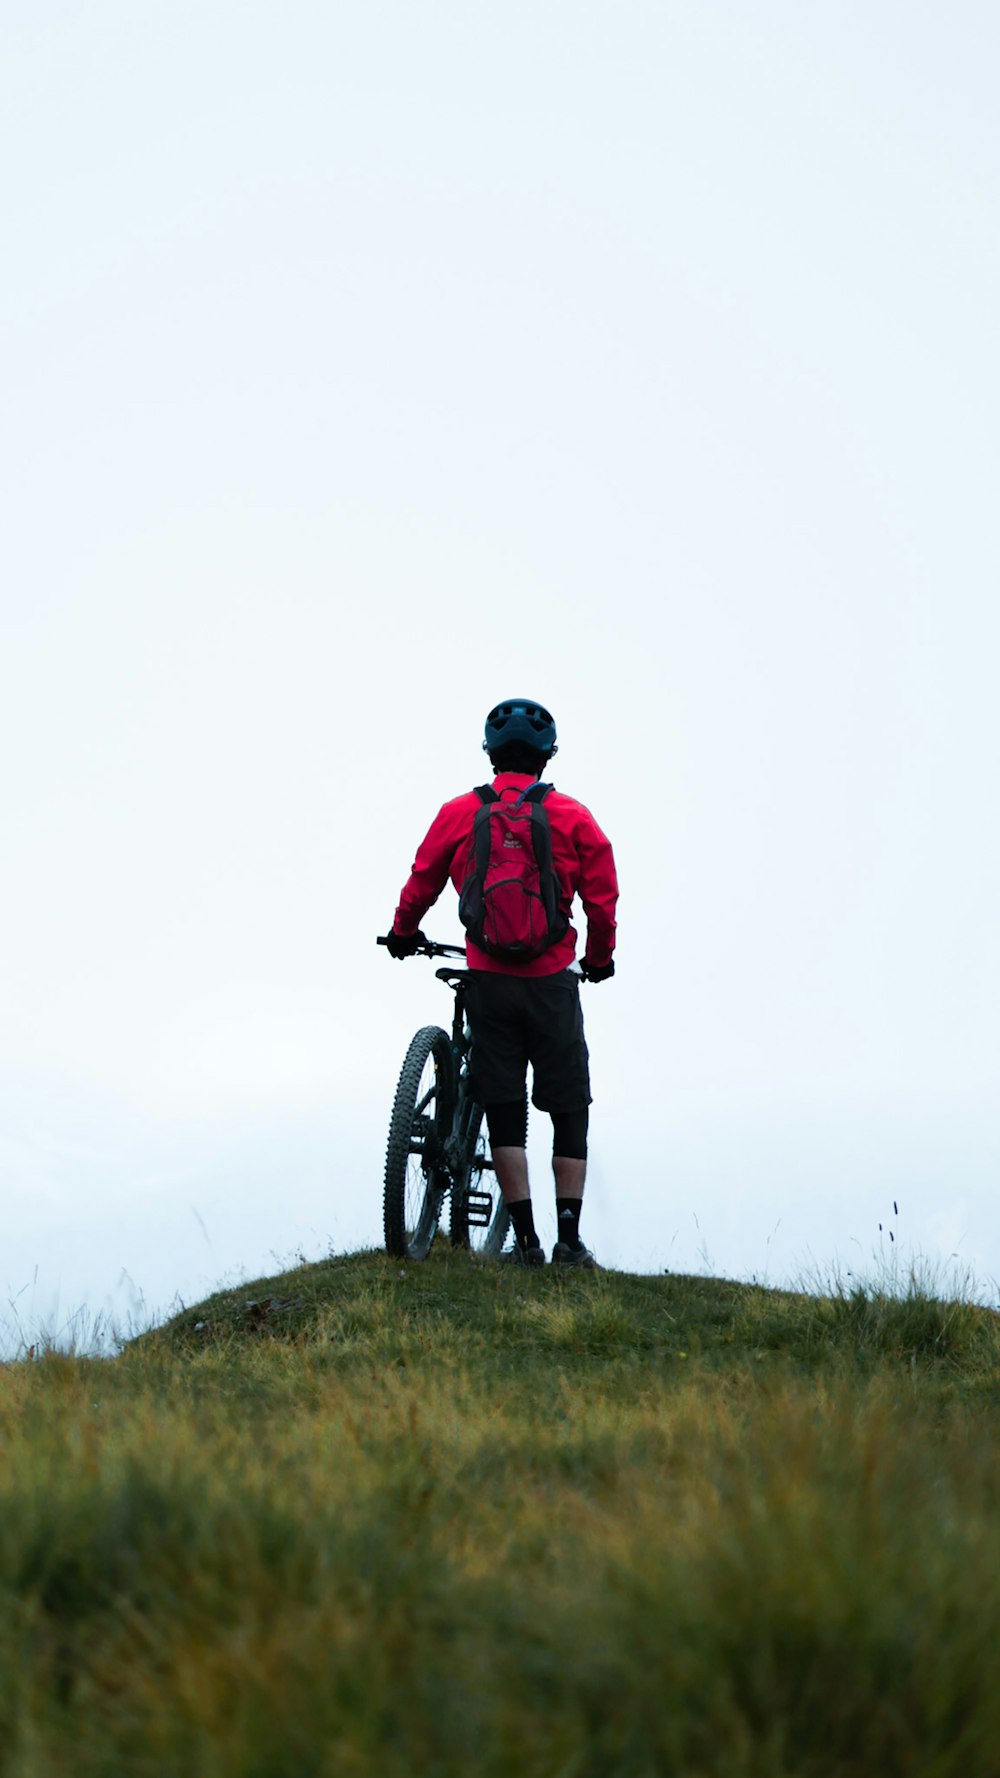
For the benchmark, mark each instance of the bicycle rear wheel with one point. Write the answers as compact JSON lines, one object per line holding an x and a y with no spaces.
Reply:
{"x":416,"y":1175}
{"x":480,"y":1221}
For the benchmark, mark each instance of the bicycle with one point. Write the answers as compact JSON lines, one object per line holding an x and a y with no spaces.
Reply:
{"x":437,"y":1145}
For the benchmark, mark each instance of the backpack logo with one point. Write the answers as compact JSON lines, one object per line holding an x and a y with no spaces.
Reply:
{"x":510,"y":901}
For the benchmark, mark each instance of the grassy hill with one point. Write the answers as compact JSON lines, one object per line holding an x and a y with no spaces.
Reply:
{"x":417,"y":1521}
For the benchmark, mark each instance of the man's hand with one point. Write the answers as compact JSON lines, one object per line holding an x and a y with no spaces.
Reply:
{"x":399,"y":946}
{"x":597,"y":972}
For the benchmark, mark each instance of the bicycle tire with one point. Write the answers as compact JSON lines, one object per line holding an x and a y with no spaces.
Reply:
{"x":485,"y":1239}
{"x":416,"y":1174}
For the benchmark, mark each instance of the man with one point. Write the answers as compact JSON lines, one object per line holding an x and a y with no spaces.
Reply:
{"x":523,"y":1011}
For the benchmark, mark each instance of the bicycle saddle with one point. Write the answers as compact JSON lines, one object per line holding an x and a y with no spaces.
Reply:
{"x":452,"y":976}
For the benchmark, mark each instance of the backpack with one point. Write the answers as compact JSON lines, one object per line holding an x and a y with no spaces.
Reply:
{"x":510,"y":901}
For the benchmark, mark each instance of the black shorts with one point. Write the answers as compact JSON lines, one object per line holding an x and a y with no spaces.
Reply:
{"x":517,"y":1019}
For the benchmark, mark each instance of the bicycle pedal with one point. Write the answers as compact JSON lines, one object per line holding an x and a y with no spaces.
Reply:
{"x":478,"y":1207}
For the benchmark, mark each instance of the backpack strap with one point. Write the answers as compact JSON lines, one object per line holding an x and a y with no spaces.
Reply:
{"x":541,"y":837}
{"x":535,"y":793}
{"x":480,"y":856}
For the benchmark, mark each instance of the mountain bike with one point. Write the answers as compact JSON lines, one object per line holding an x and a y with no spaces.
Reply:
{"x":437,"y":1146}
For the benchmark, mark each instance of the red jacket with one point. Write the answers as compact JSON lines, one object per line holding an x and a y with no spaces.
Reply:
{"x":581,"y":856}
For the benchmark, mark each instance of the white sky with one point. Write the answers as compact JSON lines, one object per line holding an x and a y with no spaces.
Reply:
{"x":365,"y":364}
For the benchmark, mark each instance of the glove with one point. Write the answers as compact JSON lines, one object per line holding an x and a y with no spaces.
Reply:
{"x":597,"y":972}
{"x":400,"y":946}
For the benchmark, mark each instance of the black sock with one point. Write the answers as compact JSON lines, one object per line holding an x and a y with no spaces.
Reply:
{"x":524,"y":1223}
{"x":568,"y":1220}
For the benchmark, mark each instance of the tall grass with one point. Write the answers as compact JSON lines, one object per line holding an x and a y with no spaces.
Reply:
{"x":371,"y":1518}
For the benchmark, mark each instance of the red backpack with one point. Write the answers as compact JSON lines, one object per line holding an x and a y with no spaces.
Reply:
{"x":510,"y":901}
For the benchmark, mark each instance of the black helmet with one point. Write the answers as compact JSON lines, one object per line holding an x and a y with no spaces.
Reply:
{"x":520,"y":719}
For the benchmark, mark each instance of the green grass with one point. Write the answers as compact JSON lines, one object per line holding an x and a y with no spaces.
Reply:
{"x":374,"y":1518}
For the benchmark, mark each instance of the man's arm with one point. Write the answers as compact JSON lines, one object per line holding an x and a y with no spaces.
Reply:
{"x":598,"y":891}
{"x":431,"y":868}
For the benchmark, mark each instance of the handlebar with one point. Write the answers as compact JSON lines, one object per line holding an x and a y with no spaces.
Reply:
{"x":431,"y":949}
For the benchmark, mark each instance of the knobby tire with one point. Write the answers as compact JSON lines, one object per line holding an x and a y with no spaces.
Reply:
{"x":416,"y":1177}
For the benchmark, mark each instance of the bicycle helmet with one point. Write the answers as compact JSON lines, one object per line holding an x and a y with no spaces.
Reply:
{"x":519,"y":719}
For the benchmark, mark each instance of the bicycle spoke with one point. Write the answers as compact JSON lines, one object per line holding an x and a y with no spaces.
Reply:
{"x":479,"y":1217}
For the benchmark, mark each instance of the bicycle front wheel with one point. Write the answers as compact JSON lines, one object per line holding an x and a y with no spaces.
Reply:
{"x":416,"y":1174}
{"x":479,"y":1217}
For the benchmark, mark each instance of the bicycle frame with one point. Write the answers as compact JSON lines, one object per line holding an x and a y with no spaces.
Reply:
{"x":453,"y":1159}
{"x":478,"y":1204}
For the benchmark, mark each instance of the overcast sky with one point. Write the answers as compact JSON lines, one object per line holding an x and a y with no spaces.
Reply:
{"x":366,"y":364}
